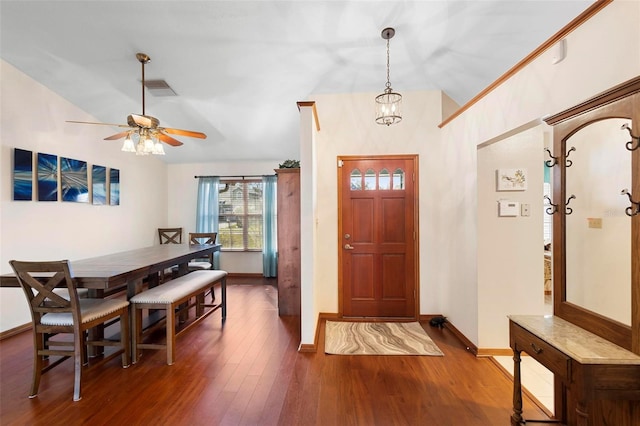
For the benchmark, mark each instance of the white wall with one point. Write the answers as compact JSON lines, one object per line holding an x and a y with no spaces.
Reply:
{"x":601,"y":53}
{"x":510,"y":249}
{"x":347,"y":127}
{"x":182,"y":190}
{"x":33,"y":118}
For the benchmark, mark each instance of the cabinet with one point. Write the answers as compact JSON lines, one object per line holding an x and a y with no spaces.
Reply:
{"x":288,"y":241}
{"x":600,"y":380}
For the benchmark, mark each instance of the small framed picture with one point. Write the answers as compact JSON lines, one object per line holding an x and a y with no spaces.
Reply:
{"x":511,"y":179}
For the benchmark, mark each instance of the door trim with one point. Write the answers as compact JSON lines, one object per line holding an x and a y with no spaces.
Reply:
{"x":416,"y":215}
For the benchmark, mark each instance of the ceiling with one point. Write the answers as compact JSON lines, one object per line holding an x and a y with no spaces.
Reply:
{"x":239,"y":67}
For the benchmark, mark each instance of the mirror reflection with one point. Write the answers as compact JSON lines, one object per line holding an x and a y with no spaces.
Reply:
{"x":598,"y":254}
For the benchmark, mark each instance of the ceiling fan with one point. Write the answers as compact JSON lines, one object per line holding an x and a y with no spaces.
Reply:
{"x":145,"y":128}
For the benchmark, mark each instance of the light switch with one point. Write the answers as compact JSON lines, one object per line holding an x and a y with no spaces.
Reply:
{"x":525,"y":210}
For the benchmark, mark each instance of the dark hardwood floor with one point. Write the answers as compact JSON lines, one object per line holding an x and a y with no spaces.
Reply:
{"x":249,"y":372}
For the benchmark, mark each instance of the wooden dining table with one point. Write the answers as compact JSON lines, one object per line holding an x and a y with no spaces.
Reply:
{"x":111,"y":272}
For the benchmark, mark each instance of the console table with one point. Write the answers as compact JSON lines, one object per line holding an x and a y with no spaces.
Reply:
{"x":586,"y":366}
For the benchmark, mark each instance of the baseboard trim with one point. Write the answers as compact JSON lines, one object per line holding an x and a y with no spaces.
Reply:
{"x":244,"y":275}
{"x":483,"y":352}
{"x":15,"y":331}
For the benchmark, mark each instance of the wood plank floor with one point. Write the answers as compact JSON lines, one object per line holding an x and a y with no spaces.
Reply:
{"x":248,"y":372}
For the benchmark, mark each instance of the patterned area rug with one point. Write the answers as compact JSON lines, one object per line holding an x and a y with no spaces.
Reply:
{"x":378,"y":338}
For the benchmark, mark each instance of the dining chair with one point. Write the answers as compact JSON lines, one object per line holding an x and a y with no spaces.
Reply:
{"x":204,"y":263}
{"x":53,"y":314}
{"x":169,"y":236}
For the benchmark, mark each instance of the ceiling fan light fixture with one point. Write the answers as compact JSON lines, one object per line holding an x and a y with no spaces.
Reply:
{"x":128,"y":145}
{"x":157,"y":148}
{"x":388,"y":103}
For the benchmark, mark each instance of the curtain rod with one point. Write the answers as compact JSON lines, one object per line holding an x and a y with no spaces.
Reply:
{"x":234,"y":176}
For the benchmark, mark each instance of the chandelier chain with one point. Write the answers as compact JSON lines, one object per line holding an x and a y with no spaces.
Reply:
{"x":388,"y":85}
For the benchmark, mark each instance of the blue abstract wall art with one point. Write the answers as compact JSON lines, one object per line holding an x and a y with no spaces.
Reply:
{"x":47,"y":177}
{"x":22,"y":175}
{"x":73,"y":180}
{"x":99,"y":185}
{"x":114,"y":187}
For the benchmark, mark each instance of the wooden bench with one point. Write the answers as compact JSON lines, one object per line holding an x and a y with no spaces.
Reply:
{"x":169,"y":296}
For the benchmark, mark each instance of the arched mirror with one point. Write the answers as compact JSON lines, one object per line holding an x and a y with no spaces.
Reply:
{"x":596,"y":243}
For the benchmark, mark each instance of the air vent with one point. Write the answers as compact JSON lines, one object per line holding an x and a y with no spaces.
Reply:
{"x":159,"y":88}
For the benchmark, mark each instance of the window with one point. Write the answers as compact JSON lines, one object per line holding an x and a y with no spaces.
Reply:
{"x":240,"y":215}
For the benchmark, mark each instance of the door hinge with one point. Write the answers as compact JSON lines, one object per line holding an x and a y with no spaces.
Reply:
{"x":340,"y":163}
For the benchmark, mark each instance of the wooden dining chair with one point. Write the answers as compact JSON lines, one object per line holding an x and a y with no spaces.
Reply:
{"x":204,"y":263}
{"x":52,"y":314}
{"x":170,"y":235}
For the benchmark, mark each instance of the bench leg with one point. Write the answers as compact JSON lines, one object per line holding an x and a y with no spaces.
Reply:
{"x":199,"y":305}
{"x":171,"y":334}
{"x":136,"y":329}
{"x":223,"y":288}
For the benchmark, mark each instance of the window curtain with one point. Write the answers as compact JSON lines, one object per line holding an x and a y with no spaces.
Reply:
{"x":207,"y":210}
{"x":269,"y":227}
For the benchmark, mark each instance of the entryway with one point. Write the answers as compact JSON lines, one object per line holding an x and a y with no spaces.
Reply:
{"x":378,"y":242}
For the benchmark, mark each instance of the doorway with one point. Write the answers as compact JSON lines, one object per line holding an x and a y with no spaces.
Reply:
{"x":378,"y":242}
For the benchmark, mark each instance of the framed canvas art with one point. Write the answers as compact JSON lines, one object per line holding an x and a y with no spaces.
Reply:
{"x":511,"y":179}
{"x":22,"y":175}
{"x":98,"y":185}
{"x":114,"y":187}
{"x":47,"y":177}
{"x":73,"y":180}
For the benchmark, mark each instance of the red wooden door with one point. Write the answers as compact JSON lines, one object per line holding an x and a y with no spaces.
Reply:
{"x":378,"y":211}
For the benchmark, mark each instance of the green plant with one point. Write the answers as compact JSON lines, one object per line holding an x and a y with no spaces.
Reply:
{"x":290,"y":164}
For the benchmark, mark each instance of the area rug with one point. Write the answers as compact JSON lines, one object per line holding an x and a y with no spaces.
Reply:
{"x":378,"y":338}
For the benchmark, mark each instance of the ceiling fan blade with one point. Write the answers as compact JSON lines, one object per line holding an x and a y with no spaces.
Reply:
{"x":168,"y":139}
{"x":181,"y":132}
{"x":101,"y":124}
{"x":116,"y":136}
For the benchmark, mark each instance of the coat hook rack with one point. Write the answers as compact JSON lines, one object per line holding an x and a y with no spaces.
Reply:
{"x":569,"y":162}
{"x":634,"y":208}
{"x":568,"y":210}
{"x":553,"y":161}
{"x":553,"y":208}
{"x":629,"y":144}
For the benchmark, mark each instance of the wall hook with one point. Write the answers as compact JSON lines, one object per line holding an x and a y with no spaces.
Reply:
{"x":553,"y":208}
{"x":634,"y":208}
{"x":629,"y":144}
{"x":569,"y":162}
{"x":553,"y":161}
{"x":568,"y":210}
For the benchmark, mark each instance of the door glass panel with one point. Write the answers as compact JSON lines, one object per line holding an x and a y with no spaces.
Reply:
{"x":370,"y":180}
{"x":384,"y":179}
{"x":356,"y":180}
{"x":398,"y":179}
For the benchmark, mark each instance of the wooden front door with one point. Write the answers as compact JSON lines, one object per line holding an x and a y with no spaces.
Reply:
{"x":378,"y":242}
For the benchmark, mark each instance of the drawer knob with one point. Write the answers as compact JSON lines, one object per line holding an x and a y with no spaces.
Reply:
{"x":535,"y":348}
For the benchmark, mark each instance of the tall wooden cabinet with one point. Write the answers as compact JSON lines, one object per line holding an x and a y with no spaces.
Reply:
{"x":288,"y":241}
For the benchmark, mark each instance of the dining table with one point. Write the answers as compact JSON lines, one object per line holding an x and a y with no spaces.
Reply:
{"x":109,"y":273}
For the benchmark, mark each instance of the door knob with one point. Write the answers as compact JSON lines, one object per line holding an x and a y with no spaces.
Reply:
{"x":348,"y":247}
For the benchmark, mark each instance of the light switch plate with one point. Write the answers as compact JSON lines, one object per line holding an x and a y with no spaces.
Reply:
{"x":525,"y":210}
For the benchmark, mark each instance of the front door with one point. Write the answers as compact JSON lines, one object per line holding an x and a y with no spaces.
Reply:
{"x":378,"y":242}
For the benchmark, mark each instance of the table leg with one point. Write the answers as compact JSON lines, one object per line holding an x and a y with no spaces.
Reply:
{"x":516,"y":417}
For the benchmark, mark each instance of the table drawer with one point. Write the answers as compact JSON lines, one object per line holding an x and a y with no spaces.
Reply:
{"x":547,"y":355}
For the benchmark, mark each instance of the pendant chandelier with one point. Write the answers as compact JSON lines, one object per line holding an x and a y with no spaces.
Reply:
{"x":389,"y":103}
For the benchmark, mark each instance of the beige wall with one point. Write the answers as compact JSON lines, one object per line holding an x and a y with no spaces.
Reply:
{"x":182,"y":188}
{"x":33,"y":118}
{"x":601,"y":53}
{"x":510,"y":249}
